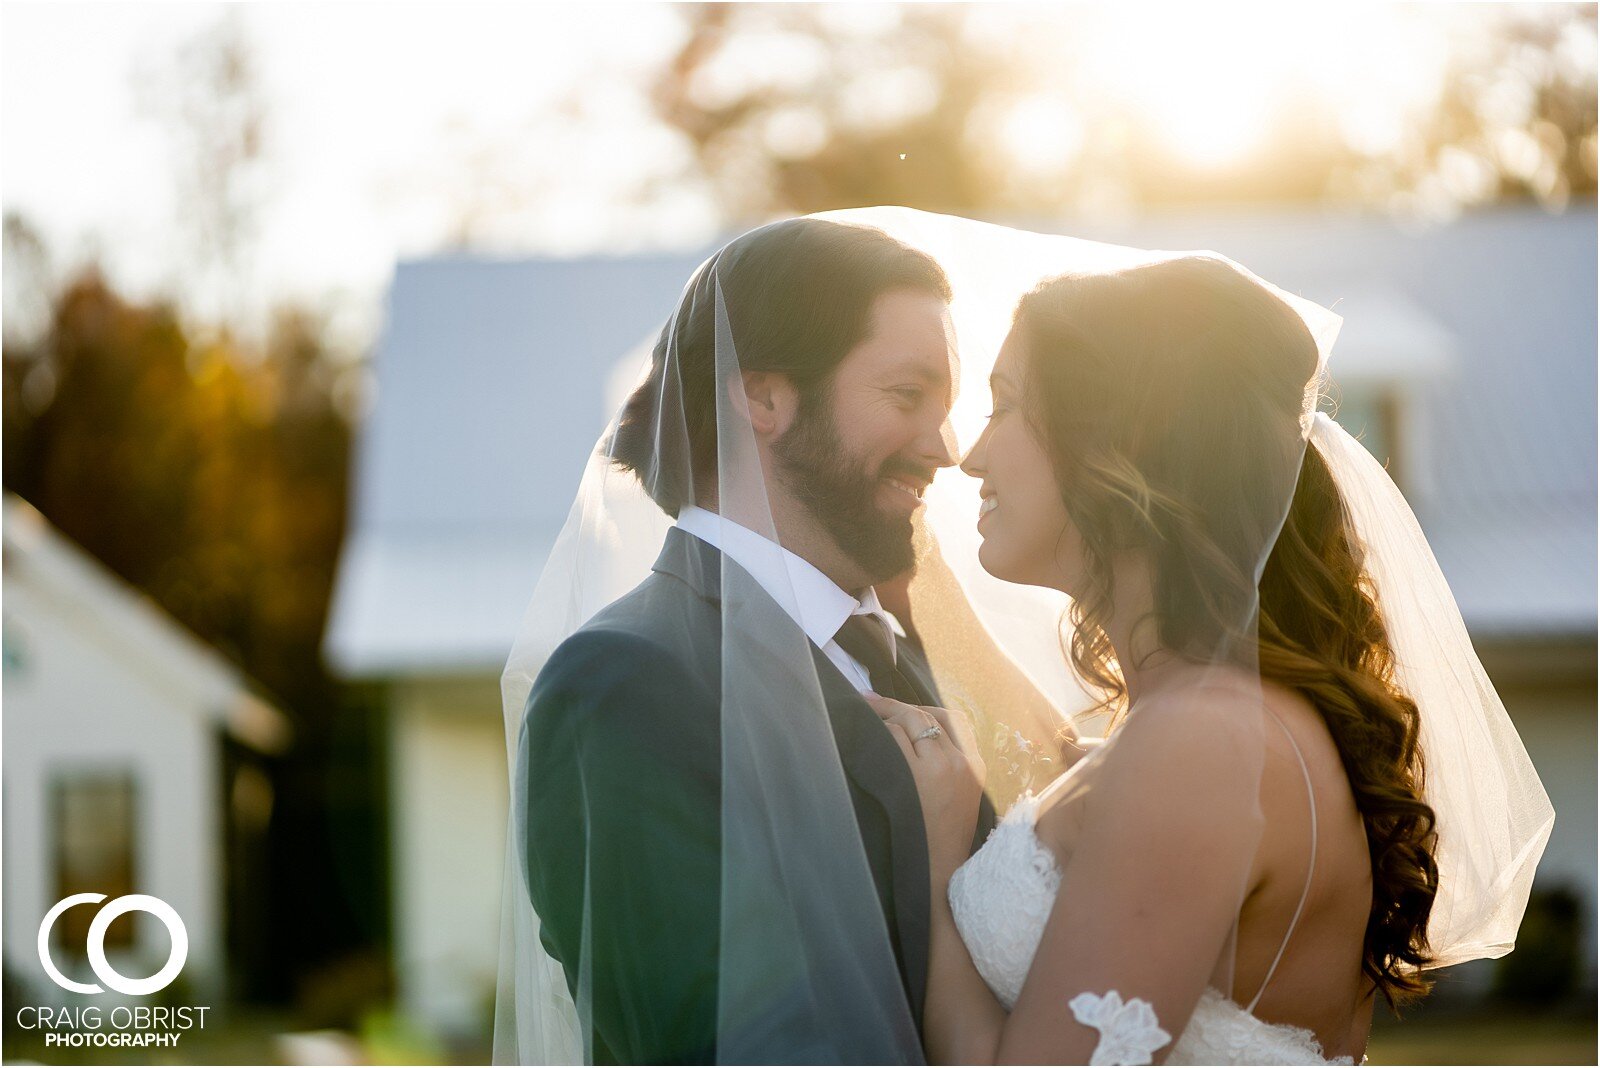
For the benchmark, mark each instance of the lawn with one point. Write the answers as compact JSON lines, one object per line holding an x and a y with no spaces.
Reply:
{"x":1497,"y":1037}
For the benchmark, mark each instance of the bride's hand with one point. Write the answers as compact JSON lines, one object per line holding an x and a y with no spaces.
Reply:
{"x":949,"y":775}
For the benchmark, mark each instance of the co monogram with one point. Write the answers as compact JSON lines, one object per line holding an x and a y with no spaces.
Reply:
{"x":97,"y":944}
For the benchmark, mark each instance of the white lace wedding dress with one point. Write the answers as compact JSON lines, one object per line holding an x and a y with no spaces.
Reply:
{"x":1001,"y":898}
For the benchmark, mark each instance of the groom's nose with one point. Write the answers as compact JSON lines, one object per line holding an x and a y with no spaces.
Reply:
{"x":952,"y":448}
{"x":942,"y":449}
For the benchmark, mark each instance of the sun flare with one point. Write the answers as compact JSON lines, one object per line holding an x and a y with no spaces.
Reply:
{"x":1212,"y":87}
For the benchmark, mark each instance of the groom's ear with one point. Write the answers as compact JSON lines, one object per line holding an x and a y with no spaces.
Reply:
{"x":768,"y":399}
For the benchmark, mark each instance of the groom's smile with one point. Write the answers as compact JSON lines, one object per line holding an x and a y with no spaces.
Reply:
{"x":906,"y":490}
{"x":865,"y":447}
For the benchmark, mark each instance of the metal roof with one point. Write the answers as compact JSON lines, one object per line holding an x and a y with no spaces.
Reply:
{"x":495,"y":378}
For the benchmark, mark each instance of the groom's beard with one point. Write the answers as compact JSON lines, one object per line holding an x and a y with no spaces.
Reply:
{"x":842,"y":493}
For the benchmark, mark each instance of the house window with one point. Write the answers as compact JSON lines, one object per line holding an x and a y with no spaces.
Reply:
{"x":92,"y":826}
{"x":13,"y":648}
{"x":1375,"y":417}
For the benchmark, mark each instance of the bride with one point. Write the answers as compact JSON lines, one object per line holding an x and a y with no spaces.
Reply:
{"x":1152,"y":901}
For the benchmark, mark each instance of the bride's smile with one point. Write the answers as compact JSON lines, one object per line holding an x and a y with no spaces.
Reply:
{"x":1032,"y":539}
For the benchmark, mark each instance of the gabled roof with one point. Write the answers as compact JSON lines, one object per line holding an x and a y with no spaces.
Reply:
{"x":492,"y":377}
{"x":1499,"y":309}
{"x":42,"y":564}
{"x":495,"y":378}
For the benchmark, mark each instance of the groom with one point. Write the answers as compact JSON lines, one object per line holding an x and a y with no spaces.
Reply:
{"x":846,"y":361}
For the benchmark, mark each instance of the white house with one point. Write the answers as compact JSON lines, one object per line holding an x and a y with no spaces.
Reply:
{"x":114,"y":782}
{"x":491,"y":392}
{"x":1467,"y":360}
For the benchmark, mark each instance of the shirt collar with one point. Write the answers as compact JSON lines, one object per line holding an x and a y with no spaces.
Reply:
{"x":817,"y":603}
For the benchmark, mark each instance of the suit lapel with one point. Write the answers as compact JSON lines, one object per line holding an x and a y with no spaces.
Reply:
{"x":869,"y":755}
{"x":878,"y":769}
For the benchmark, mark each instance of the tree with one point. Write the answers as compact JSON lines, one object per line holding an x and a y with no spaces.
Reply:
{"x":210,"y":98}
{"x":799,"y":108}
{"x":1516,"y":120}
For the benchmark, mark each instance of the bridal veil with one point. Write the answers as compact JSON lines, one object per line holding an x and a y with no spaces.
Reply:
{"x":805,"y":960}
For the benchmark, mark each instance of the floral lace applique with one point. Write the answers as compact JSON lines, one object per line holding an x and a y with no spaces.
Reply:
{"x":1129,"y":1033}
{"x":1001,"y":900}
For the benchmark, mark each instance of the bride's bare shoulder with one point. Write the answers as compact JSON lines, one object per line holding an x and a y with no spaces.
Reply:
{"x":1180,"y":744}
{"x":1210,"y":710}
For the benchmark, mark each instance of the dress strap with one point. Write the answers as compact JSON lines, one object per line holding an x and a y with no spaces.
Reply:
{"x":1311,"y":865}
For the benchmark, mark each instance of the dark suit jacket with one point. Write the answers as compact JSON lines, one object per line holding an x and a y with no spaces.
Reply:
{"x":620,"y":777}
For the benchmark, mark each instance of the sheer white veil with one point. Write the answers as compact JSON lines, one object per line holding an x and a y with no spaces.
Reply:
{"x":1493,"y":815}
{"x":805,"y":966}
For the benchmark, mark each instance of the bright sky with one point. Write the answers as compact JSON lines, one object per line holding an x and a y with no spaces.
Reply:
{"x":1211,"y":79}
{"x":390,"y":123}
{"x":373,"y":109}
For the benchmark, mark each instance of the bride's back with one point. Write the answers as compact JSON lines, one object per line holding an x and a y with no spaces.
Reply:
{"x":1318,"y":983}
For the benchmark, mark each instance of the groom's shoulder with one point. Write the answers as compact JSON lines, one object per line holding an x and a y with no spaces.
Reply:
{"x":647,"y":643}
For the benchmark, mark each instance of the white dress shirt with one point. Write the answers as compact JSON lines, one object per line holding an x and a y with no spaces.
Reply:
{"x":809,"y":597}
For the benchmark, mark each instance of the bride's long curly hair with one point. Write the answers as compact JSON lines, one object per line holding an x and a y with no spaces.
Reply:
{"x":1169,"y":398}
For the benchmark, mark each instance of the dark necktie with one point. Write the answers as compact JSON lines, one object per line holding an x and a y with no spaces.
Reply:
{"x":864,"y":638}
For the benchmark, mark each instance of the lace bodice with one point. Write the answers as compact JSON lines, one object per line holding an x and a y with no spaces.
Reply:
{"x":1002,"y":898}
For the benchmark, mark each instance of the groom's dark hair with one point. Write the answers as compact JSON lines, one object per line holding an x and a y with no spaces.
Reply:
{"x":796,"y":298}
